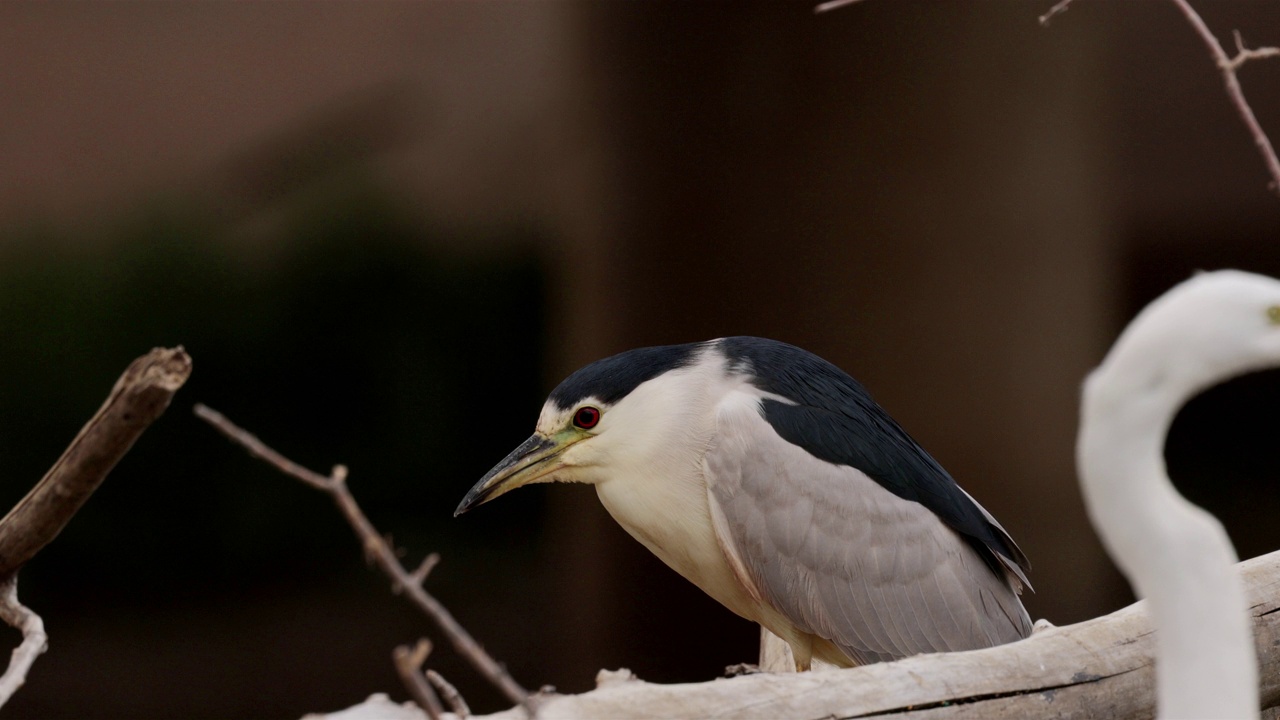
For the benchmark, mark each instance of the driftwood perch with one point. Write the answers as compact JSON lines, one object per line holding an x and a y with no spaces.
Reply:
{"x":1100,"y":668}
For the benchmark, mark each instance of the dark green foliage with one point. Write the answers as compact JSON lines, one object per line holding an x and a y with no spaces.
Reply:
{"x":342,"y":339}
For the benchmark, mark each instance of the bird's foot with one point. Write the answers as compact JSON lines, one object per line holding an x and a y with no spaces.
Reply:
{"x":1041,"y":625}
{"x":742,"y":669}
{"x":613,"y":677}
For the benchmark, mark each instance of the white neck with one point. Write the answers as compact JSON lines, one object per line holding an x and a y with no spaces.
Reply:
{"x":1175,"y":555}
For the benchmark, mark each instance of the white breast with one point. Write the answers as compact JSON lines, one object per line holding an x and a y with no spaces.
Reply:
{"x":656,"y":489}
{"x":669,"y":514}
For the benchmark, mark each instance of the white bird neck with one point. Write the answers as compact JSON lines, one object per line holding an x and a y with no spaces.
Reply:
{"x":1176,"y":555}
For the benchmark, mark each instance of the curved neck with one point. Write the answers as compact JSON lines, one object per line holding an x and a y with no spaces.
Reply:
{"x":1174,"y":554}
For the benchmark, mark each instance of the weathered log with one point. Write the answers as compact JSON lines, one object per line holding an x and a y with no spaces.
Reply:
{"x":1098,"y":668}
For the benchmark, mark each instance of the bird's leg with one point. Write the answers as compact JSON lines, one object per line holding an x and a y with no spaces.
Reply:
{"x":802,"y":652}
{"x":775,"y":653}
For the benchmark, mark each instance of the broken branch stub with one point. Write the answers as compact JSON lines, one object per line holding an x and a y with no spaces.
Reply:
{"x":139,"y":397}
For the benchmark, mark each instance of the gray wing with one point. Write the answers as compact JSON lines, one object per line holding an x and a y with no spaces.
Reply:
{"x":843,"y":558}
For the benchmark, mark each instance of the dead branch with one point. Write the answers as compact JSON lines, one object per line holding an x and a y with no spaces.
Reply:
{"x":833,"y":4}
{"x":139,"y":397}
{"x":450,"y":694}
{"x":1244,"y":54}
{"x":34,"y":639}
{"x":408,"y":662}
{"x":1058,"y":8}
{"x":378,"y":550}
{"x":1228,"y":67}
{"x":419,"y":576}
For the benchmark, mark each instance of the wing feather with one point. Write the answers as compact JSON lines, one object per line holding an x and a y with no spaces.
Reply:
{"x":843,"y":558}
{"x":895,"y":626}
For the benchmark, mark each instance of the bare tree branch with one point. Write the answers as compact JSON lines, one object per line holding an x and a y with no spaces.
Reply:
{"x":1058,"y":8}
{"x":139,"y":397}
{"x":1228,"y":67}
{"x":833,"y":4}
{"x":409,"y":666}
{"x":419,"y":576}
{"x":34,"y":639}
{"x":450,"y":694}
{"x":1244,"y":54}
{"x":377,"y":548}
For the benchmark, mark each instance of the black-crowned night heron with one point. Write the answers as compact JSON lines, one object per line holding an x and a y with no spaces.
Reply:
{"x":1208,"y":329}
{"x":770,"y":479}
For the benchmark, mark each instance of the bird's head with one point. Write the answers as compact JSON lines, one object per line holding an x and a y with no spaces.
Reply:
{"x":1211,"y":328}
{"x":614,"y":414}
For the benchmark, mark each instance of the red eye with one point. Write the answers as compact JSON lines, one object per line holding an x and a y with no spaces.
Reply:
{"x":586,"y":417}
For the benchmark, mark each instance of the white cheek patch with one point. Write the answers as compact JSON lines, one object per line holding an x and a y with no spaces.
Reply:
{"x":553,"y":419}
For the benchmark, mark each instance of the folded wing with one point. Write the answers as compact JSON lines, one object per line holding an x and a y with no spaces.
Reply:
{"x":845,"y":559}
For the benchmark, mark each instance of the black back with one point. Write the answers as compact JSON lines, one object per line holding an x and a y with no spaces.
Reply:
{"x":835,"y":419}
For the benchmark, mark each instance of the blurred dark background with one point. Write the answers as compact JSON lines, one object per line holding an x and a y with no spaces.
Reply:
{"x":385,"y":230}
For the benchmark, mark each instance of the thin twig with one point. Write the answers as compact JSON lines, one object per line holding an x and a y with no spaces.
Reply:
{"x":833,"y":4}
{"x":409,"y":666}
{"x":377,"y":548}
{"x":1244,"y":54}
{"x":139,"y":397}
{"x":1057,"y":9}
{"x":1228,"y":67}
{"x":450,"y":694}
{"x":419,"y":576}
{"x":34,"y":639}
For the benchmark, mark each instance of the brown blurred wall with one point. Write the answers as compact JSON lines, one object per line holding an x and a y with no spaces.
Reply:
{"x":942,"y":236}
{"x":939,"y":197}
